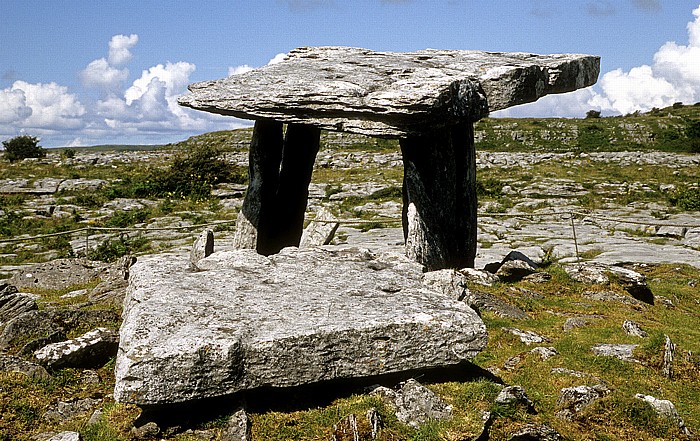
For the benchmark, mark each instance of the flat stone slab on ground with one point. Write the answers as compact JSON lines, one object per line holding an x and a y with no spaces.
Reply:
{"x":298,"y":317}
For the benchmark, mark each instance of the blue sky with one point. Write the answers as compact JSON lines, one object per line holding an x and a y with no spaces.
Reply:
{"x":80,"y":72}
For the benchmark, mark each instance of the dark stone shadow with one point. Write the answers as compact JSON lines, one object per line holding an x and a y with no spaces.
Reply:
{"x":290,"y":399}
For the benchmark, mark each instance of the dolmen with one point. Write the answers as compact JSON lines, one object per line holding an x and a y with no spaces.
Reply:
{"x":268,"y":314}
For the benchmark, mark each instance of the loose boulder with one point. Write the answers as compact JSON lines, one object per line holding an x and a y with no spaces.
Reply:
{"x":92,"y":349}
{"x":294,"y":318}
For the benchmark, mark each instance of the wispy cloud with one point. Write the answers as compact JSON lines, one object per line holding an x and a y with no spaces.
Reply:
{"x":306,"y":5}
{"x":600,"y":8}
{"x":648,"y":5}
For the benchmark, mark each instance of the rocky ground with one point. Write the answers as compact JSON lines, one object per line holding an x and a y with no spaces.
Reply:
{"x":634,"y":301}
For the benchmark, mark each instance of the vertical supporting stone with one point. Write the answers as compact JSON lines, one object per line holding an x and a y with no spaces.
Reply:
{"x":301,"y":144}
{"x":265,"y":154}
{"x":439,"y":197}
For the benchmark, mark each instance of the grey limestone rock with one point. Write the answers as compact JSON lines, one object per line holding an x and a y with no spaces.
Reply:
{"x":545,"y":352}
{"x":665,"y":409}
{"x":536,"y":432}
{"x":624,"y":352}
{"x":482,"y":301}
{"x":48,"y":325}
{"x":479,"y":276}
{"x":93,"y":348}
{"x":416,"y":404}
{"x":514,"y":270}
{"x":9,"y":363}
{"x":514,"y":395}
{"x":65,"y":410}
{"x":574,"y":322}
{"x":237,"y":427}
{"x":57,"y":274}
{"x":297,"y":317}
{"x":13,"y":304}
{"x":669,"y":353}
{"x":321,"y":230}
{"x":527,"y":337}
{"x":572,"y":400}
{"x":203,"y":247}
{"x":632,"y":328}
{"x":65,"y":436}
{"x":609,"y":296}
{"x":447,"y":281}
{"x":390,"y":94}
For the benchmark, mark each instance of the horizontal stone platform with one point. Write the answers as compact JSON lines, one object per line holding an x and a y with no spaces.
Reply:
{"x":295,"y":318}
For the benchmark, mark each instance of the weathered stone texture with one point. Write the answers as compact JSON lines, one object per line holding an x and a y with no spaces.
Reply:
{"x":297,"y":317}
{"x":387,"y":93}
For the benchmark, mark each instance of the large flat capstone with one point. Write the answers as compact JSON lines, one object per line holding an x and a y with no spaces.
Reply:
{"x":390,"y":94}
{"x":297,"y":317}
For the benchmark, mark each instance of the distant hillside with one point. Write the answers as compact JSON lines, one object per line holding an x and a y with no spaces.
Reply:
{"x":675,"y":128}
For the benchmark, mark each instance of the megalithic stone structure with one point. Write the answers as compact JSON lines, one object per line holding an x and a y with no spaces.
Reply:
{"x":428,"y":99}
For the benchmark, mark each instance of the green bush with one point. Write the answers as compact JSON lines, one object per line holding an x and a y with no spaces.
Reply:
{"x":21,"y":147}
{"x":113,"y":249}
{"x":192,"y":175}
{"x":687,"y":199}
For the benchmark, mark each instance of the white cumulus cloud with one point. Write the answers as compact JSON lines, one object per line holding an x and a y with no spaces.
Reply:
{"x":277,"y":59}
{"x":100,"y":74}
{"x":13,"y":106}
{"x":120,"y":48}
{"x":42,"y":106}
{"x":176,"y":77}
{"x":237,"y":70}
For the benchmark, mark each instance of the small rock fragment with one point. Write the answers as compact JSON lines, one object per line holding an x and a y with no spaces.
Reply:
{"x":514,"y":270}
{"x":539,"y":277}
{"x":146,"y":431}
{"x":545,"y":352}
{"x":321,"y":230}
{"x":9,"y":363}
{"x":66,"y":410}
{"x":665,"y":409}
{"x":481,"y":277}
{"x":527,"y":337}
{"x":536,"y":432}
{"x":632,"y":328}
{"x":13,"y":303}
{"x":669,"y":352}
{"x":574,"y":399}
{"x":237,"y":428}
{"x":481,"y":301}
{"x":92,"y":349}
{"x":448,"y":282}
{"x":574,"y":322}
{"x":512,"y":362}
{"x":65,"y":436}
{"x":622,"y":352}
{"x":514,"y":395}
{"x":415,"y":404}
{"x":202,"y":247}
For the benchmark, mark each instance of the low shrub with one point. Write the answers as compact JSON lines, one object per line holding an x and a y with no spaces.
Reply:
{"x":21,"y":147}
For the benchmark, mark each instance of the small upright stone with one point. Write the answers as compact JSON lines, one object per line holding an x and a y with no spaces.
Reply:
{"x":669,"y":352}
{"x":203,"y":247}
{"x":632,"y":328}
{"x":321,"y":230}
